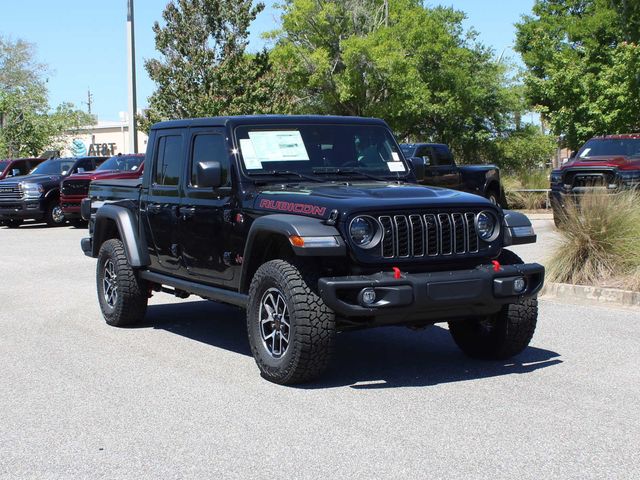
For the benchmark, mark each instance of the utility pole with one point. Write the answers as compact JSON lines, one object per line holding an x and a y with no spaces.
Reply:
{"x":89,"y":100}
{"x":133,"y":134}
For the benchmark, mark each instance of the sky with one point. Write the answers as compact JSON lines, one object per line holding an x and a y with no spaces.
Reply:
{"x":84,"y":42}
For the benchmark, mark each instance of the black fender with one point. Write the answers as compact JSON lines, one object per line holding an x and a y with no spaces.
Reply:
{"x":126,"y":221}
{"x":517,"y":229}
{"x":52,"y":194}
{"x":286,"y":226}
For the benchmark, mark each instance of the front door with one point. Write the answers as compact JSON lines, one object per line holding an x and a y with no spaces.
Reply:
{"x":160,"y":207}
{"x":205,"y":214}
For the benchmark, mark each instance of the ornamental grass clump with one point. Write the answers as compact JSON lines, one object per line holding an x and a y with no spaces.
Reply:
{"x":600,"y":242}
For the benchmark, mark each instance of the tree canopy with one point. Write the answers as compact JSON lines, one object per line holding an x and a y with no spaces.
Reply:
{"x":27,"y":125}
{"x":416,"y":67}
{"x":204,"y":69}
{"x":583,"y":65}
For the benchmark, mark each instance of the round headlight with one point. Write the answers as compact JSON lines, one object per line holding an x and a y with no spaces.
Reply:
{"x":364,"y":231}
{"x":487,"y":226}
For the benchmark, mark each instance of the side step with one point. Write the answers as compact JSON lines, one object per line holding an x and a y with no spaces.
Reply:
{"x":212,"y":293}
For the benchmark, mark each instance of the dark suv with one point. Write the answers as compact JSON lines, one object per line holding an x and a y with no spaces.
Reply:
{"x":36,"y":196}
{"x":314,"y":225}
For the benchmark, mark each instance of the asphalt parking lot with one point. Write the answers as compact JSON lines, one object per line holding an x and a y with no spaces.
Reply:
{"x":180,"y":397}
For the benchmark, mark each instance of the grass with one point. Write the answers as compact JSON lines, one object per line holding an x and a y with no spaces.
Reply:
{"x":529,"y":180}
{"x":600,"y":242}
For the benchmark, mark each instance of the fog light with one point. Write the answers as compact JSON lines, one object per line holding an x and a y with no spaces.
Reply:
{"x":519,"y":285}
{"x":368,"y":296}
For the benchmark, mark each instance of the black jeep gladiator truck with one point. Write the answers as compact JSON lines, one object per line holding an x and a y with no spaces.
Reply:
{"x":441,"y":171}
{"x":290,"y":218}
{"x":37,"y":195}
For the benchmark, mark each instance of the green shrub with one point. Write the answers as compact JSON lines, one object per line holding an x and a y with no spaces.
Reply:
{"x":600,"y":240}
{"x":526,"y":180}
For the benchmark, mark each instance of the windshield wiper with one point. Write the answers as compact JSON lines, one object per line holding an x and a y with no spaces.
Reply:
{"x":348,"y":171}
{"x":278,"y":173}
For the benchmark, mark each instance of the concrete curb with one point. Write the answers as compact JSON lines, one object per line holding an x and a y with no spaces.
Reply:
{"x":601,"y":295}
{"x":540,"y":216}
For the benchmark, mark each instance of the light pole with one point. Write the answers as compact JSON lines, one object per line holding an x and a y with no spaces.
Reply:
{"x":131,"y":48}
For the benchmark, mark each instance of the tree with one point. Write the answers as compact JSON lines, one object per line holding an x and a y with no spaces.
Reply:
{"x":415,"y":67}
{"x":583,"y":68}
{"x":27,"y":126}
{"x":205,"y":69}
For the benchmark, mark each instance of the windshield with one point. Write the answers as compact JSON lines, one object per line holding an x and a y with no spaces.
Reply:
{"x":3,"y":165}
{"x":628,"y":147}
{"x":319,"y":150}
{"x":121,"y":163}
{"x":58,"y":166}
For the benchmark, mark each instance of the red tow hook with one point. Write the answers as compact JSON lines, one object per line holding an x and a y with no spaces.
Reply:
{"x":396,"y":273}
{"x":496,"y":265}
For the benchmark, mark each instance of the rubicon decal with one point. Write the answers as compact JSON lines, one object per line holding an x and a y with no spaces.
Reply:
{"x":292,"y":207}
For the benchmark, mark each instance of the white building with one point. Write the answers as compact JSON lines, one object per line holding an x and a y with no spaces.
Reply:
{"x":103,"y":139}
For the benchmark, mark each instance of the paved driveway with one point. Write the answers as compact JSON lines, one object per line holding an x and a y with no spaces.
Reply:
{"x":180,"y":397}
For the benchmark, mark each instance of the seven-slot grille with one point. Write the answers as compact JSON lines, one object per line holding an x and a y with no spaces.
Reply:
{"x":10,"y":191}
{"x":75,"y":187}
{"x":428,"y":235}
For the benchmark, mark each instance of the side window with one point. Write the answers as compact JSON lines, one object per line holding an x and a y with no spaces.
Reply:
{"x":207,"y":148}
{"x":168,"y":161}
{"x":22,"y":166}
{"x":444,"y":155}
{"x":86,"y":165}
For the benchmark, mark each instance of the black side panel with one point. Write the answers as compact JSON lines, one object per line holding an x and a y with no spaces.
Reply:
{"x":126,"y":221}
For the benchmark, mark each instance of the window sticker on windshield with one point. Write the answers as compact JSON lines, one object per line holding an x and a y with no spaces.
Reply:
{"x":395,"y":166}
{"x":279,"y":146}
{"x":249,"y":154}
{"x":585,"y":152}
{"x":395,"y":156}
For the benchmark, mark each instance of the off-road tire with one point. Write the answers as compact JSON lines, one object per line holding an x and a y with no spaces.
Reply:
{"x":499,"y":336}
{"x":51,"y":217}
{"x":312,"y":324}
{"x":13,"y":223}
{"x":130,"y":304}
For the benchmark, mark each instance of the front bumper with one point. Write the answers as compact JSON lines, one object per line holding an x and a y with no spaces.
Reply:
{"x":71,"y":205}
{"x":25,"y":209}
{"x":429,"y":297}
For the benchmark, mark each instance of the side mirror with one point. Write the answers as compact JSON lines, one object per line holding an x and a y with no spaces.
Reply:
{"x":418,"y":164}
{"x":573,"y":154}
{"x":209,"y":174}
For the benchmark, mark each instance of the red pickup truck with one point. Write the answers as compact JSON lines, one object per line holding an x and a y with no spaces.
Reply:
{"x":606,"y":164}
{"x":18,"y":166}
{"x":76,"y":187}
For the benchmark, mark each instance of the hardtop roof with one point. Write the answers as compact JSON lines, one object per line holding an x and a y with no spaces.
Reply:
{"x":267,"y":120}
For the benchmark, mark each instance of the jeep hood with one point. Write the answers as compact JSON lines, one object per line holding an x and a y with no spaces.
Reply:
{"x":607,"y":161}
{"x":319,"y":199}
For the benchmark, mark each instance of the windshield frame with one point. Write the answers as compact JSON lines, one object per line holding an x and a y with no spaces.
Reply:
{"x":262,"y":174}
{"x":4,"y":164}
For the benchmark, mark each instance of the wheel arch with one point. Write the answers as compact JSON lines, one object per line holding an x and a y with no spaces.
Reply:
{"x":112,"y":221}
{"x":268,"y":239}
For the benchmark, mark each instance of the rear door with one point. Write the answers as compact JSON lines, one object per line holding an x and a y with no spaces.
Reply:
{"x":205,"y":213}
{"x":160,"y":206}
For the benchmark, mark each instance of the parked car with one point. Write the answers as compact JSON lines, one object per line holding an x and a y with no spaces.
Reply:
{"x":18,"y":166}
{"x":37,"y":195}
{"x":441,"y":171}
{"x":281,"y":215}
{"x":75,"y":188}
{"x":607,"y":164}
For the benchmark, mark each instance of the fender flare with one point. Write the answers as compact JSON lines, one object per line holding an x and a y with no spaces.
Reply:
{"x":517,"y":229}
{"x":287,"y":225}
{"x":135,"y":245}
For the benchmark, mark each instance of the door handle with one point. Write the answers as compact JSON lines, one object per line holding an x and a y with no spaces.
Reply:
{"x":153,"y":208}
{"x":187,"y":212}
